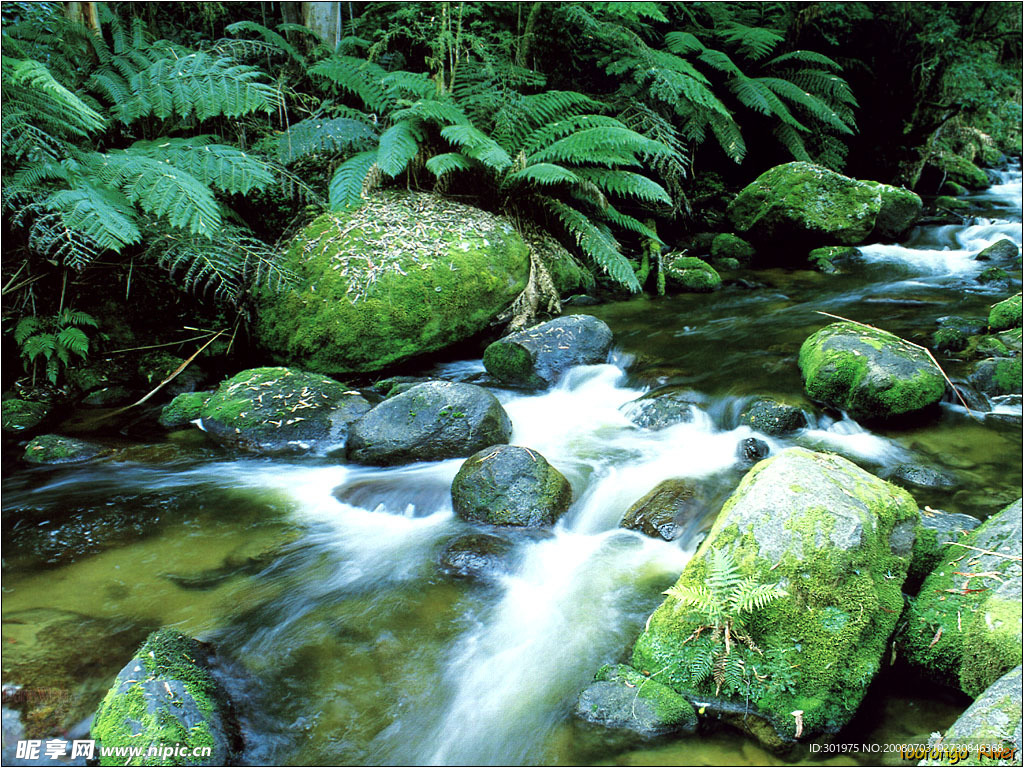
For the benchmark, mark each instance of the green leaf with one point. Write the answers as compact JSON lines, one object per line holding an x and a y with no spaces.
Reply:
{"x":448,"y":162}
{"x":346,"y":187}
{"x":73,"y":340}
{"x":399,"y":144}
{"x":477,"y":145}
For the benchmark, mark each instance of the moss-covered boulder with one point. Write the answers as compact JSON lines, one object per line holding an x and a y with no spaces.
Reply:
{"x":57,"y":449}
{"x":630,"y":705}
{"x":954,"y":331}
{"x":805,"y":205}
{"x":948,"y":203}
{"x":688,"y":273}
{"x":964,"y":628}
{"x":184,"y":409}
{"x":773,"y":417}
{"x":998,"y":376}
{"x":1006,"y":314}
{"x":827,"y":259}
{"x":281,"y":411}
{"x":661,"y":408}
{"x":537,"y":357}
{"x":868,"y":372}
{"x":729,"y":246}
{"x":950,"y":166}
{"x":994,"y":277}
{"x":990,"y":729}
{"x":431,"y":421}
{"x":664,"y":511}
{"x":166,"y":697}
{"x":1001,"y":250}
{"x":19,"y":415}
{"x":404,"y":275}
{"x":937,"y":530}
{"x":838,"y":541}
{"x":510,"y":485}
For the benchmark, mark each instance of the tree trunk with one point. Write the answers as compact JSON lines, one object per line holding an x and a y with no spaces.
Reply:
{"x":83,"y":13}
{"x":325,"y":19}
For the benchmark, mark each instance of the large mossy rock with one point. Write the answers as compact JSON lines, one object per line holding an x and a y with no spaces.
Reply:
{"x":510,"y":485}
{"x":281,"y":411}
{"x":183,"y":409}
{"x":58,"y":449}
{"x":690,"y":274}
{"x":166,"y":696}
{"x":800,"y":205}
{"x":1006,"y":314}
{"x":537,"y":357}
{"x":402,"y":276}
{"x":429,"y":422}
{"x":625,"y":702}
{"x":990,"y":727}
{"x":19,"y":415}
{"x":870,"y":373}
{"x":838,"y":540}
{"x":964,"y":628}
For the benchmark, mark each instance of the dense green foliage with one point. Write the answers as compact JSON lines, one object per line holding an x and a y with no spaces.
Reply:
{"x":196,"y":137}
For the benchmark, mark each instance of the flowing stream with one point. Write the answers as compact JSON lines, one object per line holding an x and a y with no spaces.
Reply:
{"x":319,"y":582}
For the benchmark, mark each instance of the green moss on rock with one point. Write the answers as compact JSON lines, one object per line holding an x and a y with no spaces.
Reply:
{"x":689,"y":273}
{"x":730,"y":246}
{"x":183,"y":409}
{"x":868,"y":372}
{"x":1006,"y":314}
{"x":960,"y":170}
{"x":824,"y":259}
{"x":57,"y":449}
{"x":19,"y":415}
{"x":405,"y":275}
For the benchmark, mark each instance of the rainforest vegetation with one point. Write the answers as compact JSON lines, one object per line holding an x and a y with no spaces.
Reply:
{"x":157,"y":157}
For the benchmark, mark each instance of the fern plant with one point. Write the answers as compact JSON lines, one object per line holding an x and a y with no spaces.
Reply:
{"x":53,"y":340}
{"x":720,"y":607}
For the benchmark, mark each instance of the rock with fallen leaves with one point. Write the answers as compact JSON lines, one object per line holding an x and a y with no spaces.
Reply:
{"x":510,"y":485}
{"x":431,"y":421}
{"x":537,"y":357}
{"x":279,"y":411}
{"x":964,"y":627}
{"x":837,"y":541}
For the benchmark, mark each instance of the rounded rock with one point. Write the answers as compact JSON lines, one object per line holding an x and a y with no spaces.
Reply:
{"x":537,"y":357}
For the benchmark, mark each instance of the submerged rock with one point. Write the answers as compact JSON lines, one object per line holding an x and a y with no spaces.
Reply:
{"x":662,"y":512}
{"x":537,"y":357}
{"x":661,"y":408}
{"x":166,"y":696}
{"x":404,"y":275}
{"x":429,"y":422}
{"x":281,"y":411}
{"x":688,"y":273}
{"x":964,"y":628}
{"x":825,"y":259}
{"x":802,"y":204}
{"x":510,"y":485}
{"x":478,"y":556}
{"x":622,"y":700}
{"x":838,"y":541}
{"x":57,"y":449}
{"x":19,"y":415}
{"x":991,"y":727}
{"x":868,"y":372}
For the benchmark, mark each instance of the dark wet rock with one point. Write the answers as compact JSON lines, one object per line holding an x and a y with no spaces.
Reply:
{"x":184,"y":409}
{"x":20,"y":415}
{"x":429,"y":422}
{"x":688,"y":273}
{"x":997,"y":376}
{"x":964,"y":628}
{"x":751,"y":450}
{"x":1005,"y":314}
{"x":57,"y":449}
{"x":537,"y":357}
{"x":510,"y":485}
{"x":661,"y":408}
{"x":282,"y":411}
{"x":917,"y":476}
{"x":247,"y":559}
{"x":868,"y":372}
{"x":1001,"y":250}
{"x":937,"y":530}
{"x":477,"y":556}
{"x":802,"y":204}
{"x":955,"y":331}
{"x":166,"y":695}
{"x":990,"y":727}
{"x":581,"y":300}
{"x":839,"y":541}
{"x":772,"y":417}
{"x":622,"y":700}
{"x":662,"y":512}
{"x":829,"y":258}
{"x":396,"y":385}
{"x":62,"y":662}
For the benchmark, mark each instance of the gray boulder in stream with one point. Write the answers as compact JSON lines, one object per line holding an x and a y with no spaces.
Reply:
{"x":510,"y":485}
{"x":622,"y":700}
{"x":537,"y":357}
{"x":281,"y":411}
{"x":661,"y":408}
{"x":662,"y":511}
{"x":868,"y":372}
{"x":164,"y":697}
{"x":431,"y":421}
{"x":838,"y":541}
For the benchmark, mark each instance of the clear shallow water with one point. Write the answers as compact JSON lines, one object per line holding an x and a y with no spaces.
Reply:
{"x":320,"y":582}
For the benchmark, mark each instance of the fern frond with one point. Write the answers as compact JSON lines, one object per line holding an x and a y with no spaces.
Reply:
{"x":814,"y":106}
{"x":51,"y":237}
{"x":274,"y":39}
{"x":596,"y":243}
{"x":547,"y":134}
{"x":399,"y":144}
{"x":77,"y":116}
{"x":346,"y":187}
{"x":70,"y":316}
{"x":727,"y":132}
{"x":753,"y":42}
{"x":74,"y":340}
{"x":356,"y":76}
{"x":26,"y":327}
{"x":751,"y":596}
{"x":445,"y":163}
{"x":683,"y":43}
{"x":702,"y":663}
{"x":542,"y":174}
{"x":599,"y":145}
{"x":477,"y":145}
{"x":626,"y":184}
{"x":723,"y":575}
{"x":696,"y":597}
{"x":314,"y":136}
{"x":102,"y":216}
{"x":792,"y":141}
{"x":216,"y":165}
{"x":44,"y":344}
{"x":805,"y":57}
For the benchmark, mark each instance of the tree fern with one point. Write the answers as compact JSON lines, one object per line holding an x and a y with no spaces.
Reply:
{"x":275,"y":40}
{"x":596,"y":243}
{"x":356,"y":76}
{"x":323,"y":136}
{"x":398,"y":145}
{"x":216,"y":165}
{"x":346,"y":186}
{"x":103,"y":217}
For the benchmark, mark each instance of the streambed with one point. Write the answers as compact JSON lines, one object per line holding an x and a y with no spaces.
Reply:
{"x":320,"y":583}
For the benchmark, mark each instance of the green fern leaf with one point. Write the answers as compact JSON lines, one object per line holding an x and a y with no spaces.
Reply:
{"x":683,"y":43}
{"x":477,"y":145}
{"x":358,"y":77}
{"x":439,"y":165}
{"x":216,"y":165}
{"x":316,"y":136}
{"x":399,"y":144}
{"x":44,"y":344}
{"x":74,"y":340}
{"x":626,"y":184}
{"x":753,"y":42}
{"x":596,"y":243}
{"x":78,"y":117}
{"x":101,"y":214}
{"x":25,"y":328}
{"x":270,"y":36}
{"x":542,"y":174}
{"x":346,"y":187}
